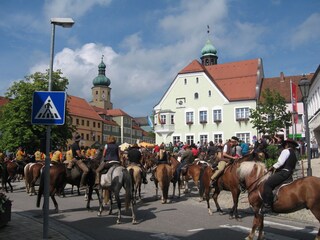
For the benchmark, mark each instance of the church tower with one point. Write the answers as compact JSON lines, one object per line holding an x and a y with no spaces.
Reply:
{"x":209,"y":53}
{"x":101,"y":92}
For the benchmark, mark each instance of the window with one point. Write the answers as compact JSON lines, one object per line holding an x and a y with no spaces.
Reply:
{"x":189,"y":117}
{"x":176,"y":139}
{"x":196,"y":95}
{"x":203,"y":139}
{"x":217,"y":115}
{"x":172,"y":119}
{"x":190,"y":139}
{"x":209,"y":93}
{"x":82,"y":122}
{"x":77,"y":121}
{"x":185,"y":81}
{"x":87,"y":137}
{"x":98,"y":125}
{"x":94,"y":124}
{"x":217,"y":137}
{"x":197,"y":80}
{"x":242,"y":114}
{"x":88,"y":124}
{"x":203,"y":116}
{"x":244,"y":137}
{"x":163,"y":119}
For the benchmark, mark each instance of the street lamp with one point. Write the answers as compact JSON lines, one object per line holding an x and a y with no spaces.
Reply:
{"x":66,"y":23}
{"x":304,"y":85}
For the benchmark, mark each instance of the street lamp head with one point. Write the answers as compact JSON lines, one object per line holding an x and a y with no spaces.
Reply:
{"x":63,"y":22}
{"x":304,"y":85}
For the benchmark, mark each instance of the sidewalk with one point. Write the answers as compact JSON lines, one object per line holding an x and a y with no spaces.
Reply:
{"x":25,"y":226}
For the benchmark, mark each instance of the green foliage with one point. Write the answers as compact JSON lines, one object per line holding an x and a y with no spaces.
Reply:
{"x":271,"y":114}
{"x":273,"y":151}
{"x":269,"y":162}
{"x":15,"y":122}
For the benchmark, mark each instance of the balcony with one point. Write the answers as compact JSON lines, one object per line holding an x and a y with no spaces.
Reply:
{"x":164,"y":128}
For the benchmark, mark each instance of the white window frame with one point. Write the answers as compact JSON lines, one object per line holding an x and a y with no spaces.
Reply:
{"x":217,"y":115}
{"x":203,"y":116}
{"x":189,"y":117}
{"x":242,"y":113}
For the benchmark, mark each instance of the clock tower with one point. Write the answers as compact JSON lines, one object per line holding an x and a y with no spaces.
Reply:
{"x":101,"y":92}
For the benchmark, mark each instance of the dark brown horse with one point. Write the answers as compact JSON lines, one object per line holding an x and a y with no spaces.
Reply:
{"x":9,"y":170}
{"x":228,"y":181}
{"x":163,"y":176}
{"x":57,"y":183}
{"x":32,"y":172}
{"x":299,"y":194}
{"x":174,"y":163}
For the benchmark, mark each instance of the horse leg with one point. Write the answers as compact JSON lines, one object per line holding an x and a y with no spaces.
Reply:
{"x":215,"y":199}
{"x":257,"y":223}
{"x":316,"y":212}
{"x":56,"y":207}
{"x":234,"y":210}
{"x":119,"y":207}
{"x":157,"y":189}
{"x":100,"y":202}
{"x":134,"y":220}
{"x":186,"y":186}
{"x":89,"y":198}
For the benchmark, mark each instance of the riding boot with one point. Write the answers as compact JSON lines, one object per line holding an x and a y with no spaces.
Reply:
{"x":152,"y":178}
{"x":144,"y":177}
{"x":83,"y":180}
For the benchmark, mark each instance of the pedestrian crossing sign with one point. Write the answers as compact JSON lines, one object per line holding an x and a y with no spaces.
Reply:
{"x":48,"y":108}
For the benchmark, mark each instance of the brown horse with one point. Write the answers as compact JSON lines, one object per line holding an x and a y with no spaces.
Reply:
{"x":299,"y":194}
{"x":193,"y":172}
{"x":228,"y":181}
{"x":163,"y":175}
{"x":32,"y":172}
{"x":57,"y":183}
{"x":174,"y":163}
{"x":137,"y":179}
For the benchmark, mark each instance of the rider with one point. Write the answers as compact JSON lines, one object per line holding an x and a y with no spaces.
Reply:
{"x":77,"y":158}
{"x":284,"y":168}
{"x":186,"y":158}
{"x":39,"y":156}
{"x":211,"y":152}
{"x":69,"y":155}
{"x":227,"y":157}
{"x":57,"y":156}
{"x":134,"y":156}
{"x":20,"y":154}
{"x":111,"y":154}
{"x":162,"y":158}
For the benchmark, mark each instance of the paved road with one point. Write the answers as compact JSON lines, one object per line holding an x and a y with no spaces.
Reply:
{"x":183,"y":218}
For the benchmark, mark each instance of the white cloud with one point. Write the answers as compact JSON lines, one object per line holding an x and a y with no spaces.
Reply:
{"x":74,"y":8}
{"x":306,"y":32}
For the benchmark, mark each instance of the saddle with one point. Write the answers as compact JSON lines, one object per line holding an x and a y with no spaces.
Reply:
{"x":276,"y":190}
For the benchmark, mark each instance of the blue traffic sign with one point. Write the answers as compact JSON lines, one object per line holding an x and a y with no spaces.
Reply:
{"x":48,"y":108}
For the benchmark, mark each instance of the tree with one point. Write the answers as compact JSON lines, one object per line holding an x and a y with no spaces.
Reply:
{"x":15,"y":117}
{"x":271,"y":114}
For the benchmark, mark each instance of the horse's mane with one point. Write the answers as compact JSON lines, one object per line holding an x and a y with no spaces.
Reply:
{"x":246,"y":168}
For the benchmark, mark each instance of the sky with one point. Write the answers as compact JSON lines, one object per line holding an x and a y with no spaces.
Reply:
{"x":145,"y":43}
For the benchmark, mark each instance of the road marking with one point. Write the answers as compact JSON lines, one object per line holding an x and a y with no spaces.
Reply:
{"x":292,"y":227}
{"x":267,"y":235}
{"x":195,"y":230}
{"x":164,"y":236}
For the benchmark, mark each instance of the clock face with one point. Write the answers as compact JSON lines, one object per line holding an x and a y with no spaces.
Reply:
{"x":180,"y":102}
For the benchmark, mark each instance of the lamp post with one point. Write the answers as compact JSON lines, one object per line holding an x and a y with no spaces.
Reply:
{"x":304,"y":86}
{"x":66,"y":23}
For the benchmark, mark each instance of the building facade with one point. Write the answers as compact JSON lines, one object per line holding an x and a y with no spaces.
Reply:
{"x":209,"y":101}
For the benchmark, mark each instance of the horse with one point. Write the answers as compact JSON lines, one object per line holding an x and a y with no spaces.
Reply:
{"x":298,"y":194}
{"x":57,"y":174}
{"x":193,"y":172}
{"x":174,"y":163}
{"x":137,"y":179}
{"x":163,"y":176}
{"x":32,"y":172}
{"x":228,"y":181}
{"x":113,"y":181}
{"x":9,"y":170}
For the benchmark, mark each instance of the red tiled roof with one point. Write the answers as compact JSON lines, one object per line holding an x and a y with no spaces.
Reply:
{"x":236,"y":80}
{"x":104,"y":112}
{"x":116,"y":113}
{"x":3,"y":101}
{"x":80,"y":107}
{"x":281,"y":84}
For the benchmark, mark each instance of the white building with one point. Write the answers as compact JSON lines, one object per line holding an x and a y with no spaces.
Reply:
{"x":209,"y":101}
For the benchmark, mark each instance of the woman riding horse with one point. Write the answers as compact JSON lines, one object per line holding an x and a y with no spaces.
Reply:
{"x":134,"y":156}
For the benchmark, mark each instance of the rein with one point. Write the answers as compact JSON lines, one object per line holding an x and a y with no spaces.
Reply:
{"x":255,"y":182}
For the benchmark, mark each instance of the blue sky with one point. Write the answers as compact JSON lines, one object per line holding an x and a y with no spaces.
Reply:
{"x":145,"y":43}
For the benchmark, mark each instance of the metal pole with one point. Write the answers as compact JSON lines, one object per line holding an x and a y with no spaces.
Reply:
{"x":305,"y":106}
{"x":47,"y":161}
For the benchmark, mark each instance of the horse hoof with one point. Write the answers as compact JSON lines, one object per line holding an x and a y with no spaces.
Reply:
{"x":134,"y":222}
{"x":118,"y":222}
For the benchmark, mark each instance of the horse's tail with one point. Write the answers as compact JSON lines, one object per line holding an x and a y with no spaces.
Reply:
{"x":41,"y":187}
{"x":165,"y":183}
{"x":131,"y":173}
{"x":201,"y":179}
{"x":127,"y":178}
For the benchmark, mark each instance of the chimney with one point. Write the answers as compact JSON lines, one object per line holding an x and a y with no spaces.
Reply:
{"x":281,"y":77}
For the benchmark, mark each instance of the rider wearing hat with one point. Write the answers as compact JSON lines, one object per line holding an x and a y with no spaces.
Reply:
{"x":283,"y":170}
{"x":227,"y":156}
{"x":134,"y":156}
{"x":77,"y":158}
